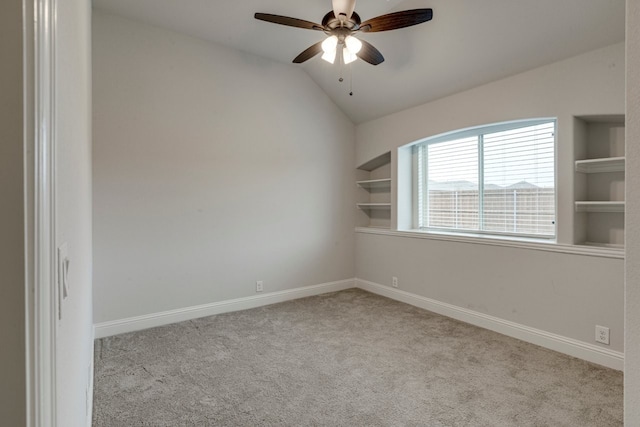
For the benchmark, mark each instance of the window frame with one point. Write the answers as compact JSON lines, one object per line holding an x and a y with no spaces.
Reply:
{"x":479,"y":132}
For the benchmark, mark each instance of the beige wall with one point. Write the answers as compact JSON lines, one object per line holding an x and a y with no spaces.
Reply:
{"x":559,"y":293}
{"x":212,"y":169}
{"x":12,"y":261}
{"x":632,"y":324}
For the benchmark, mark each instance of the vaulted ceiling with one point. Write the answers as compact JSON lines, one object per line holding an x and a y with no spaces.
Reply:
{"x":468,"y":42}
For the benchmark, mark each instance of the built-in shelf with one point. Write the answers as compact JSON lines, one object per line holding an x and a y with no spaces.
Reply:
{"x":374,"y":205}
{"x":599,"y":149}
{"x":607,"y":206}
{"x":374,"y":192}
{"x":607,"y":164}
{"x":375,"y":183}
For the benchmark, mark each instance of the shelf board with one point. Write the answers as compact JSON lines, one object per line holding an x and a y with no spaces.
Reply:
{"x":605,"y":245}
{"x":375,"y":183}
{"x":607,"y":164}
{"x":375,"y":163}
{"x":600,"y":207}
{"x":374,"y":205}
{"x":603,"y":118}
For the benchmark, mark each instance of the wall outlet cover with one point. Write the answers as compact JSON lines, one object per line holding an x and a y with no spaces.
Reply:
{"x":602,"y":334}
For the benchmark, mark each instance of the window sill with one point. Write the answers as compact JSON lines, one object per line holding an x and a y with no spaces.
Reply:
{"x":504,"y":241}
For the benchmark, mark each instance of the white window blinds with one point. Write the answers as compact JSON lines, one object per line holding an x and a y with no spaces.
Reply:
{"x":494,"y":181}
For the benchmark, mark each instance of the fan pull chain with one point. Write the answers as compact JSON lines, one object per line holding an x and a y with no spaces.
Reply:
{"x":340,"y":79}
{"x":341,"y":74}
{"x":350,"y":80}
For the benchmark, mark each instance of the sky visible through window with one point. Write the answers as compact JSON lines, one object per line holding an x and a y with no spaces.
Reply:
{"x":512,"y":157}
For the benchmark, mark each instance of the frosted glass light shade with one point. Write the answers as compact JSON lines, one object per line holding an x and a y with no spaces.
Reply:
{"x":348,"y":56}
{"x":329,"y":47}
{"x":353,"y":44}
{"x":330,"y":44}
{"x":329,"y":56}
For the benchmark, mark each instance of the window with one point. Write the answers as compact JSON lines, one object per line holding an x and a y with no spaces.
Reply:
{"x":497,"y":179}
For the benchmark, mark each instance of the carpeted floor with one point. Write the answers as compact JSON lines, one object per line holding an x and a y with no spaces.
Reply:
{"x":348,"y":358}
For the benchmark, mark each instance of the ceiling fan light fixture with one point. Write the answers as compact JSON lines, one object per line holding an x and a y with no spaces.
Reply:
{"x":348,"y":56}
{"x":330,"y":44}
{"x":340,"y":23}
{"x":329,"y":47}
{"x":353,"y":44}
{"x":330,"y":57}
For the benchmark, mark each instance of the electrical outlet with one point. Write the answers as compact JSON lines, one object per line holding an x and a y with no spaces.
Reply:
{"x":394,"y":282}
{"x":259,"y":286}
{"x":602,"y":334}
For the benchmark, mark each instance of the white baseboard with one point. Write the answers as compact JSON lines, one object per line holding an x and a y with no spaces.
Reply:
{"x":572,"y":347}
{"x":592,"y":353}
{"x":115,"y":327}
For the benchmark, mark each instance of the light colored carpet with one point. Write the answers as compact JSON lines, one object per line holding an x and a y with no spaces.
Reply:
{"x":348,"y":358}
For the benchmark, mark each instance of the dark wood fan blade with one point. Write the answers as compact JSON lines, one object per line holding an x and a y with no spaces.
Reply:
{"x":285,"y":20}
{"x":393,"y":21}
{"x":369,"y":53}
{"x":308,"y":53}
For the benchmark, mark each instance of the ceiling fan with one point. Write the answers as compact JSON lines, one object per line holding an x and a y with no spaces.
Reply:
{"x":341,"y":24}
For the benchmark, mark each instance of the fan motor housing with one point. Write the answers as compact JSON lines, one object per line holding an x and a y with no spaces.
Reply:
{"x":330,"y":22}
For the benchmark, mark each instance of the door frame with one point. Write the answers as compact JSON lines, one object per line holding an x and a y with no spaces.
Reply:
{"x":39,"y":20}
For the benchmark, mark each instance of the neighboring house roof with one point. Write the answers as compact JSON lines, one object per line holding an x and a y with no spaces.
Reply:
{"x":522,"y":184}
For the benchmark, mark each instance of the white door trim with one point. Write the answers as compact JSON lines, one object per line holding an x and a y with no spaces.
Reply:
{"x":39,"y":18}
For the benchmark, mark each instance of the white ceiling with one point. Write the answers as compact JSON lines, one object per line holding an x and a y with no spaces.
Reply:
{"x":468,"y":42}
